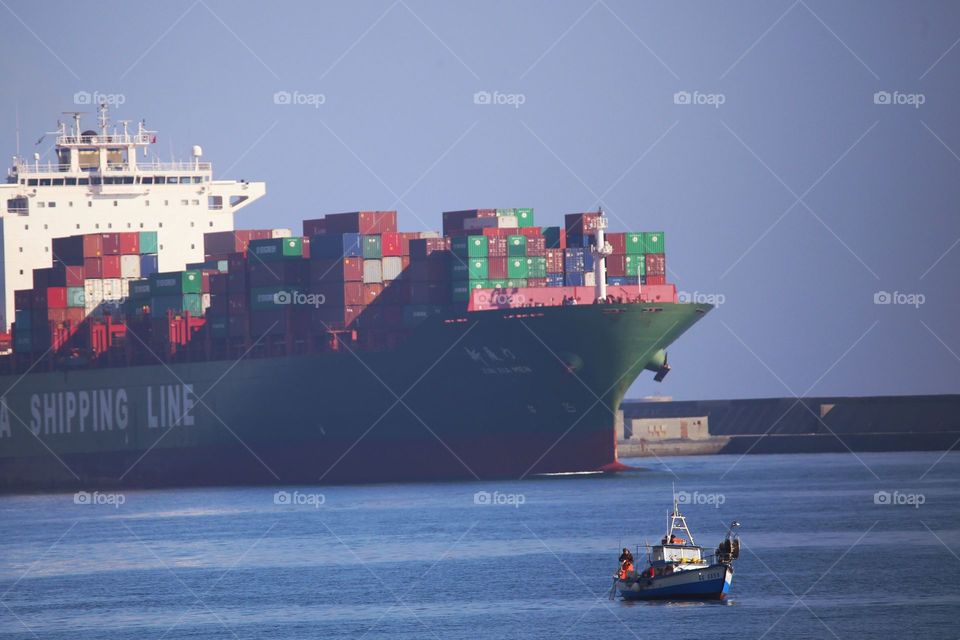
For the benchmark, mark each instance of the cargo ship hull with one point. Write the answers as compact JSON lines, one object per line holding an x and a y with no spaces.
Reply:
{"x":491,"y":394}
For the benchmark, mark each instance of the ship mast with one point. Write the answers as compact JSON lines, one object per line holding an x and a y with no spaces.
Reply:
{"x":600,"y":253}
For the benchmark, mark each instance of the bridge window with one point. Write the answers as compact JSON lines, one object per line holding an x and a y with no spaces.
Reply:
{"x":41,"y":205}
{"x":197,"y":180}
{"x":146,"y":180}
{"x":45,"y":182}
{"x":58,"y":182}
{"x":83,"y":181}
{"x":160,"y":180}
{"x":32,"y":182}
{"x":51,"y":204}
{"x":71,"y":182}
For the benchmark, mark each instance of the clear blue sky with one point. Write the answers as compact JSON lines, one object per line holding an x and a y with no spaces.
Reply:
{"x":877,"y":184}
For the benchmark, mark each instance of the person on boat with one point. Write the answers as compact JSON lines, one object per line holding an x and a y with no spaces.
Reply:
{"x":626,"y":564}
{"x":675,"y":539}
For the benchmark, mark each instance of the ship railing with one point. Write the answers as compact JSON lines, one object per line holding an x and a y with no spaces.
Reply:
{"x":120,"y":139}
{"x":33,"y":168}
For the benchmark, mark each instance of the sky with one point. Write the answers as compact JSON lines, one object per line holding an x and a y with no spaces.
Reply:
{"x":801,"y":157}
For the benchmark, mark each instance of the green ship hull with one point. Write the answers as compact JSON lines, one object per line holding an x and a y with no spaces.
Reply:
{"x":489,"y":394}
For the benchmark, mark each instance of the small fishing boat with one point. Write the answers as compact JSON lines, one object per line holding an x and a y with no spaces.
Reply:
{"x":678,"y":567}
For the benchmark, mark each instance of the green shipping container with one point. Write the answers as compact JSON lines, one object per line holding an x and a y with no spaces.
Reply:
{"x":524,"y":217}
{"x":175,"y":282}
{"x":506,"y":212}
{"x":477,"y":269}
{"x":653,"y":242}
{"x":516,"y":283}
{"x":634,"y":243}
{"x":372,"y":247}
{"x":187,"y":302}
{"x":496,"y":284}
{"x":516,"y":246}
{"x":636,"y":265}
{"x":75,"y":297}
{"x":469,"y":246}
{"x":537,"y":267}
{"x":517,"y":268}
{"x":148,"y":242}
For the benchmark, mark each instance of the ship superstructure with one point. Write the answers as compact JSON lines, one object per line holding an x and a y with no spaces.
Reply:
{"x":96,"y":183}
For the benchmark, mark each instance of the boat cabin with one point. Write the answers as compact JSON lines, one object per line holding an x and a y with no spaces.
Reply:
{"x":676,"y":553}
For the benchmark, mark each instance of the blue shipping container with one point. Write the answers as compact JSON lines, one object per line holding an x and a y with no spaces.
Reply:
{"x":148,"y":265}
{"x":573,"y":279}
{"x":555,"y":280}
{"x":336,"y":246}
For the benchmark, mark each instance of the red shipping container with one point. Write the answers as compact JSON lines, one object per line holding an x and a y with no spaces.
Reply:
{"x":496,"y":232}
{"x":111,"y":244}
{"x":656,"y":264}
{"x":616,"y":265}
{"x":93,"y":267}
{"x":305,"y":247}
{"x":531,"y":232}
{"x":74,"y":275}
{"x":617,"y":240}
{"x":497,"y":268}
{"x":536,"y":246}
{"x":57,"y":316}
{"x":75,"y":315}
{"x":497,"y":246}
{"x":655,"y":280}
{"x":110,"y":266}
{"x":56,"y":298}
{"x":555,"y":260}
{"x":404,"y":262}
{"x":405,"y":238}
{"x":425,"y":246}
{"x":345,"y":270}
{"x":92,"y":245}
{"x":391,"y":245}
{"x":371,"y":292}
{"x":536,"y":282}
{"x":130,"y":243}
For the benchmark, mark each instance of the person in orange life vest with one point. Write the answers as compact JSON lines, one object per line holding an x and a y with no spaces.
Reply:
{"x":626,"y":563}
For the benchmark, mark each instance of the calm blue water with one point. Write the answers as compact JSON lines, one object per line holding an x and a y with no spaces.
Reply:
{"x":415,"y":561}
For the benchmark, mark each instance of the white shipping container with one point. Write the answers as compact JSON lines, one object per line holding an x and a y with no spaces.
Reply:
{"x":372,"y":271}
{"x":429,"y":234}
{"x":506,"y":222}
{"x":112,"y":289}
{"x":280,"y":233}
{"x":204,"y":301}
{"x":93,"y":290}
{"x":125,"y":289}
{"x":129,"y":267}
{"x":392,"y":266}
{"x":590,"y":279}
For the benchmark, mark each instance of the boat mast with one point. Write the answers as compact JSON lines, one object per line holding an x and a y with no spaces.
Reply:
{"x":677,"y":522}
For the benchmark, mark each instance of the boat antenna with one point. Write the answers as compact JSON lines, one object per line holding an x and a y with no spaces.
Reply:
{"x":18,"y":128}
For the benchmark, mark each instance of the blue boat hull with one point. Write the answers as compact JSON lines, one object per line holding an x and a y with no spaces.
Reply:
{"x":710,"y":583}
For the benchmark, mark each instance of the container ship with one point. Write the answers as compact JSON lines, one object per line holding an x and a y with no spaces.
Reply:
{"x":152,"y":344}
